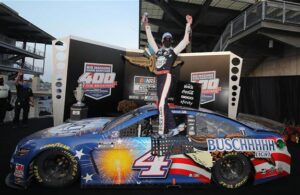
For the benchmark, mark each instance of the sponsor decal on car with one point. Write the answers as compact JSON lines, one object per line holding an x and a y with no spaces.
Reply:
{"x":152,"y":166}
{"x":243,"y":145}
{"x":19,"y":170}
{"x":262,"y":154}
{"x":55,"y":145}
{"x":98,"y":80}
{"x":115,"y":134}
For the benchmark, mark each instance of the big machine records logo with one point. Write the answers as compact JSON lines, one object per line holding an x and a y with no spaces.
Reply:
{"x":209,"y":85}
{"x":98,"y":80}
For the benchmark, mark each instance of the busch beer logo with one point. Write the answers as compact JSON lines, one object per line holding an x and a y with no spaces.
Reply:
{"x":209,"y":85}
{"x":98,"y":80}
{"x":242,"y":145}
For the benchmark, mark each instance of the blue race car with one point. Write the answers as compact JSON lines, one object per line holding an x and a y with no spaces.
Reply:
{"x":211,"y":148}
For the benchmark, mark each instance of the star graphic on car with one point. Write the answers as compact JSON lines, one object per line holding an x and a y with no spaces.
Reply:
{"x":88,"y":178}
{"x":79,"y":154}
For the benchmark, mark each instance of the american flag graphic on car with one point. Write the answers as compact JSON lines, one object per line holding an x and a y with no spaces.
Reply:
{"x":182,"y":165}
{"x":280,"y":167}
{"x":269,"y":160}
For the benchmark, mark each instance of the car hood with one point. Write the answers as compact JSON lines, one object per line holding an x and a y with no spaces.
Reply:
{"x":77,"y":128}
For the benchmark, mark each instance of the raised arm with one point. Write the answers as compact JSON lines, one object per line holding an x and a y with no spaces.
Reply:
{"x":18,"y":78}
{"x":150,"y":38}
{"x":185,"y":41}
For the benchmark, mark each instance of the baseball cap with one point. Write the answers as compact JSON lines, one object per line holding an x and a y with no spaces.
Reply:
{"x":165,"y":35}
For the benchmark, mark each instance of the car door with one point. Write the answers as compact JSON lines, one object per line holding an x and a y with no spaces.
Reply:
{"x":132,"y":156}
{"x":181,"y":169}
{"x":116,"y":155}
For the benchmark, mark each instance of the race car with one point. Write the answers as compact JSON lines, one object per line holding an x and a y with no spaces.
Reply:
{"x":210,"y":149}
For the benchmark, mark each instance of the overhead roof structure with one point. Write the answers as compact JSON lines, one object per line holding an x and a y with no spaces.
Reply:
{"x":210,"y":17}
{"x":252,"y":29}
{"x":262,"y":31}
{"x":20,"y":29}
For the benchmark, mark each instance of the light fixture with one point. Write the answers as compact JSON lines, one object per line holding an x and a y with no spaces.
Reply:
{"x":271,"y":43}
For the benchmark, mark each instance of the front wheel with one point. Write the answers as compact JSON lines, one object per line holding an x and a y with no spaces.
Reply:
{"x":55,"y":168}
{"x":231,"y":171}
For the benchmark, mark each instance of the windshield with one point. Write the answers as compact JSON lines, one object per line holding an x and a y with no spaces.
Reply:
{"x":120,"y":120}
{"x":257,"y":122}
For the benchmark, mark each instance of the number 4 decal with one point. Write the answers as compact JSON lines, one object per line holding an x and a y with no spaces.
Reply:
{"x":152,"y":166}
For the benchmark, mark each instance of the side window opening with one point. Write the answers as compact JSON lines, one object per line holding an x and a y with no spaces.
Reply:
{"x":131,"y":131}
{"x":200,"y":126}
{"x":149,"y":126}
{"x":213,"y":126}
{"x":142,"y":128}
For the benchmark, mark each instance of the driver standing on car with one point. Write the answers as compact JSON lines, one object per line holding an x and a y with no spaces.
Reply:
{"x":166,"y":56}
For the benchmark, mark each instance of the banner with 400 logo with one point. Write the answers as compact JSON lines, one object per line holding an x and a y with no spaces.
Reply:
{"x":98,"y":80}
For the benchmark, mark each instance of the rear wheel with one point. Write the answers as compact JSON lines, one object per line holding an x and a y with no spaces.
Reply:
{"x":231,"y":171}
{"x":55,"y":168}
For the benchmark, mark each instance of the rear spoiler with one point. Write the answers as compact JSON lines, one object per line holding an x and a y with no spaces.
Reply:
{"x":261,"y":123}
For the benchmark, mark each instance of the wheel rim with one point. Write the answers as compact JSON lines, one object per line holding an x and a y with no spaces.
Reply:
{"x":56,"y":167}
{"x":231,"y":169}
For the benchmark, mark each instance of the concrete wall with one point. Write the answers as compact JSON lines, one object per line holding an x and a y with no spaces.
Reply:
{"x":286,"y":65}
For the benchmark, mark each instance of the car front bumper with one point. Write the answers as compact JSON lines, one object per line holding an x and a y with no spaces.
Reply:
{"x":12,"y":182}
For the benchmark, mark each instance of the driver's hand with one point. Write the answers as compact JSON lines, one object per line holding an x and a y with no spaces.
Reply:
{"x":145,"y":20}
{"x":189,"y":19}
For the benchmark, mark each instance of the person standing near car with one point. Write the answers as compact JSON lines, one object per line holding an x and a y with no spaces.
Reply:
{"x":166,"y":56}
{"x":24,"y":100}
{"x":5,"y":96}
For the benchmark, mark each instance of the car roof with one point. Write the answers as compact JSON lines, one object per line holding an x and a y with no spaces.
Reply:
{"x":152,"y":107}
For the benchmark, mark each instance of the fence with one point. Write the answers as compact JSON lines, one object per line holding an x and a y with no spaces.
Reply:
{"x":275,"y":11}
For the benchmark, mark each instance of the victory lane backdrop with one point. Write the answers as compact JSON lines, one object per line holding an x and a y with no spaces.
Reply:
{"x":81,"y":53}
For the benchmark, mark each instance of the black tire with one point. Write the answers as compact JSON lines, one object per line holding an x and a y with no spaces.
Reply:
{"x":231,"y":171}
{"x":55,"y":168}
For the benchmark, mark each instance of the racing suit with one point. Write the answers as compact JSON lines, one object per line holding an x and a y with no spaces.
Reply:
{"x":165,"y":60}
